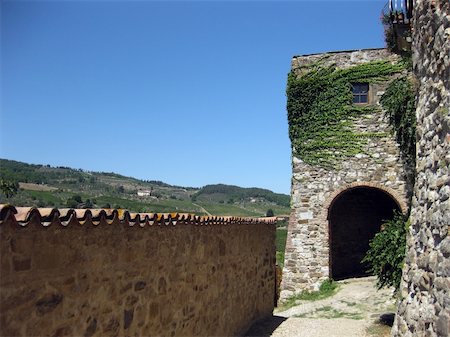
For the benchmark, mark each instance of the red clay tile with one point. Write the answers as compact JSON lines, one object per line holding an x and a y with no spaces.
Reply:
{"x":68,"y":216}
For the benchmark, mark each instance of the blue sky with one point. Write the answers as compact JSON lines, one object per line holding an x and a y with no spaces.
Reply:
{"x":190,"y":92}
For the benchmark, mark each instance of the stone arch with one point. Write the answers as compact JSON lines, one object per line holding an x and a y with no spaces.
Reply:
{"x":354,"y":214}
{"x":401,"y":202}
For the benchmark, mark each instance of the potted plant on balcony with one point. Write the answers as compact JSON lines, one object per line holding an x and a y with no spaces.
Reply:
{"x":385,"y":19}
{"x":399,"y":16}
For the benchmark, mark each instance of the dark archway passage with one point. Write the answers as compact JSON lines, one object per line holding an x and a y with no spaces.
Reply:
{"x":355,"y":216}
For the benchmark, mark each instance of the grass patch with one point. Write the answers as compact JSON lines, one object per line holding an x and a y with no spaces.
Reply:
{"x":154,"y":206}
{"x":350,"y":304}
{"x":378,"y":330}
{"x":280,"y":242}
{"x":327,"y":288}
{"x":46,"y":196}
{"x":241,"y":208}
{"x":229,"y":209}
{"x":329,"y":312}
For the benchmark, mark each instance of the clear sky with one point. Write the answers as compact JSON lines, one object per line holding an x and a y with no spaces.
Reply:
{"x":188,"y":92}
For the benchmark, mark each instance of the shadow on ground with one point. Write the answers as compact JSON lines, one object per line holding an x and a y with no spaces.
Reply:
{"x":387,"y":319}
{"x":265,"y":327}
{"x":382,"y":326}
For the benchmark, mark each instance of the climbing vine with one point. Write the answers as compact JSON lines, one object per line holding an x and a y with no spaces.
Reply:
{"x":399,"y":104}
{"x":321,"y":110}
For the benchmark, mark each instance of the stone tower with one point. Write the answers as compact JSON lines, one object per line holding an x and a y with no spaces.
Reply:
{"x":337,"y":209}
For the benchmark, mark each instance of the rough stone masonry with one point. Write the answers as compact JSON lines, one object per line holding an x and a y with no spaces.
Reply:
{"x":378,"y":169}
{"x":424,"y":309}
{"x":79,"y":273}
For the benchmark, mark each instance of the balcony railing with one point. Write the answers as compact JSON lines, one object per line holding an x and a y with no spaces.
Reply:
{"x":398,"y":11}
{"x":396,"y":17}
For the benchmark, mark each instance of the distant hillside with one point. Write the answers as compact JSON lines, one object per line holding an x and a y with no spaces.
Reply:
{"x":46,"y":186}
{"x":228,"y":193}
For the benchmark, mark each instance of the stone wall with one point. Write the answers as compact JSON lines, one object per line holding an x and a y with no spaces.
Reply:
{"x":314,"y":189}
{"x":425,"y":306}
{"x":80,"y":274}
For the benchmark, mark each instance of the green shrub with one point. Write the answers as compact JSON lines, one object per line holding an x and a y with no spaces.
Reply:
{"x":389,"y":38}
{"x":8,"y":187}
{"x":387,"y":252}
{"x":71,"y":203}
{"x":77,"y":198}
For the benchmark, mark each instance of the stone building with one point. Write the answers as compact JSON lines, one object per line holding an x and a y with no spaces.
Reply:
{"x":338,"y":208}
{"x":425,"y":306}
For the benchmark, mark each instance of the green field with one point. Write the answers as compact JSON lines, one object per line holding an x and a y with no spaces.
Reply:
{"x":280,"y":243}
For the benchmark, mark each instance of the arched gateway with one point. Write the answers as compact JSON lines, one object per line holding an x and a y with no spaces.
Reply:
{"x":337,"y":209}
{"x":355,"y":215}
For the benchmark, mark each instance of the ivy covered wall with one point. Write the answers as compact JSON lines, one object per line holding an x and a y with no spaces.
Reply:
{"x":338,"y":146}
{"x":321,"y":110}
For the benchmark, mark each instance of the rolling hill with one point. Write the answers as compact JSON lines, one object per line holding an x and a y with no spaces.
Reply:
{"x":46,"y":186}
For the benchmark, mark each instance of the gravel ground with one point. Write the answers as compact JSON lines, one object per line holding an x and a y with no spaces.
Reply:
{"x":358,"y":309}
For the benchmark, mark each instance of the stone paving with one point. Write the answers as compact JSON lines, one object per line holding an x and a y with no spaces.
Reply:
{"x":357,"y":309}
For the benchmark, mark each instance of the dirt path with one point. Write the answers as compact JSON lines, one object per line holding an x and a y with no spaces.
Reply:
{"x":202,"y":209}
{"x":354,"y":311}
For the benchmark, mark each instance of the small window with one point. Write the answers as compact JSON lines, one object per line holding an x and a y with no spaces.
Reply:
{"x":360,"y":92}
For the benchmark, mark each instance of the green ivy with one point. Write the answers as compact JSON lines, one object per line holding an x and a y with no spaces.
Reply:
{"x":321,"y":110}
{"x":399,"y":103}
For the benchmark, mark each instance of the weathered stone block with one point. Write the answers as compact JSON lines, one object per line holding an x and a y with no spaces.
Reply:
{"x":48,"y":303}
{"x":21,"y":264}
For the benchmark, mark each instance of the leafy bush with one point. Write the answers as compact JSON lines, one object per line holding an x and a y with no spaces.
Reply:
{"x":88,"y":204}
{"x":74,"y":201}
{"x":387,"y":252}
{"x":71,"y":203}
{"x":389,"y":38}
{"x":269,"y":212}
{"x":77,"y":198}
{"x":8,"y":187}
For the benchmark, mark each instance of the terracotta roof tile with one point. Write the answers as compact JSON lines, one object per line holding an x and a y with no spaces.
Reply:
{"x":67,"y":216}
